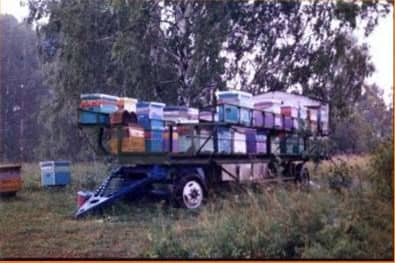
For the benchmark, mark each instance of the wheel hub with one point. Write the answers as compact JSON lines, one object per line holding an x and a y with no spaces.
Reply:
{"x":192,"y":194}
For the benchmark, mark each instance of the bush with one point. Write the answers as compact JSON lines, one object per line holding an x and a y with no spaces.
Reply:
{"x":288,"y":223}
{"x":383,"y":169}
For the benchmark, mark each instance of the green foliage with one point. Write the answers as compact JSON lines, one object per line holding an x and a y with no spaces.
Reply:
{"x":339,"y":175}
{"x":368,"y":124}
{"x":382,"y":165}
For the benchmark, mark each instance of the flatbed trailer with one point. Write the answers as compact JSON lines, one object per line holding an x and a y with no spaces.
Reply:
{"x":184,"y":178}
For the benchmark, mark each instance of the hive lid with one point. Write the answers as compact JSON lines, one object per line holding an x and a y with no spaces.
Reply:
{"x":11,"y":165}
{"x":59,"y":162}
{"x":88,"y":96}
{"x":133,"y":100}
{"x":233,"y":92}
{"x":176,"y":108}
{"x":153,"y":103}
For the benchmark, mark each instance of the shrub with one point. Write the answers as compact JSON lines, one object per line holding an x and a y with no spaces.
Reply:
{"x":383,"y":169}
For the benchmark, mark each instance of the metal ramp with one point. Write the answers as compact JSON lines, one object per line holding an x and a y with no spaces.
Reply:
{"x":118,"y":185}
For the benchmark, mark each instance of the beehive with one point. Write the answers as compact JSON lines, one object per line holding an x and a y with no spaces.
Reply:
{"x":132,"y":139}
{"x":10,"y":178}
{"x":128,"y":104}
{"x":152,"y":110}
{"x":154,"y":140}
{"x":98,"y":102}
{"x":55,"y":173}
{"x":239,"y":141}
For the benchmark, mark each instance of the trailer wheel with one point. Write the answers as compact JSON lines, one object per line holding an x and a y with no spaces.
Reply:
{"x":189,"y":192}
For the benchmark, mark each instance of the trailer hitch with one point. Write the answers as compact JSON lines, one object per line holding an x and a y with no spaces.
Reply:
{"x":108,"y":192}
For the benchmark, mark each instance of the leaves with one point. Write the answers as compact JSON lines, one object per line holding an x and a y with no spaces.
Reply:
{"x":181,"y":52}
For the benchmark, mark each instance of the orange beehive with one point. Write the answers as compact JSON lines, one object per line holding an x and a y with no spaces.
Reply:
{"x":10,"y":178}
{"x":132,"y":139}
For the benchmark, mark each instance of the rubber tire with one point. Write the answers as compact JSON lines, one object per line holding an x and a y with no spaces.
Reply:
{"x":178,"y":200}
{"x":302,"y":175}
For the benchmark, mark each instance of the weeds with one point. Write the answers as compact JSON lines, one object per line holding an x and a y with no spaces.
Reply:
{"x":336,"y":220}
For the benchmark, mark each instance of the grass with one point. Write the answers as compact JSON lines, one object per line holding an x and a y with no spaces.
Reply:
{"x":330,"y":220}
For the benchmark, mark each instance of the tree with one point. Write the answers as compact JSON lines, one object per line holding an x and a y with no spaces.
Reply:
{"x":20,"y":90}
{"x":368,"y":125}
{"x":180,"y":52}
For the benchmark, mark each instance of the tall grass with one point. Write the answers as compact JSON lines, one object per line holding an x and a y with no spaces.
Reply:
{"x":342,"y":219}
{"x":344,"y":214}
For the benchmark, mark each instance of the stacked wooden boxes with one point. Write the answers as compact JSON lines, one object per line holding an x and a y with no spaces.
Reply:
{"x":10,"y":178}
{"x":181,"y":114}
{"x":235,"y":107}
{"x":55,"y":173}
{"x":95,"y":108}
{"x":171,"y":139}
{"x":261,"y":142}
{"x":127,"y":104}
{"x":313,"y":118}
{"x":239,"y":142}
{"x":224,"y":136}
{"x":126,"y":113}
{"x":251,"y":137}
{"x":127,"y":139}
{"x":290,"y":114}
{"x":267,"y":114}
{"x":150,"y":116}
{"x":249,"y":140}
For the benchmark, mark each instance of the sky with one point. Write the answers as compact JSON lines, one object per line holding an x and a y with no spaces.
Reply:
{"x":380,"y":42}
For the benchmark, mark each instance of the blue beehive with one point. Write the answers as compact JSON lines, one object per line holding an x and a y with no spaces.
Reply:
{"x":98,"y":102}
{"x":55,"y":173}
{"x":154,"y":140}
{"x":224,"y":137}
{"x":149,"y":124}
{"x":245,"y":116}
{"x":229,"y":114}
{"x":153,"y":110}
{"x":90,"y":117}
{"x":236,"y":97}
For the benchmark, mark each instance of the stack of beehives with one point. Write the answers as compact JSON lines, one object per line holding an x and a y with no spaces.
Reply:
{"x":144,"y":126}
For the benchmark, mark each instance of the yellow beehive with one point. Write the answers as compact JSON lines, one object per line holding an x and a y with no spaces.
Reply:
{"x":128,"y":104}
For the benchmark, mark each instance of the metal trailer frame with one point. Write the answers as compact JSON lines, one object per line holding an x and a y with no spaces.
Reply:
{"x":139,"y":172}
